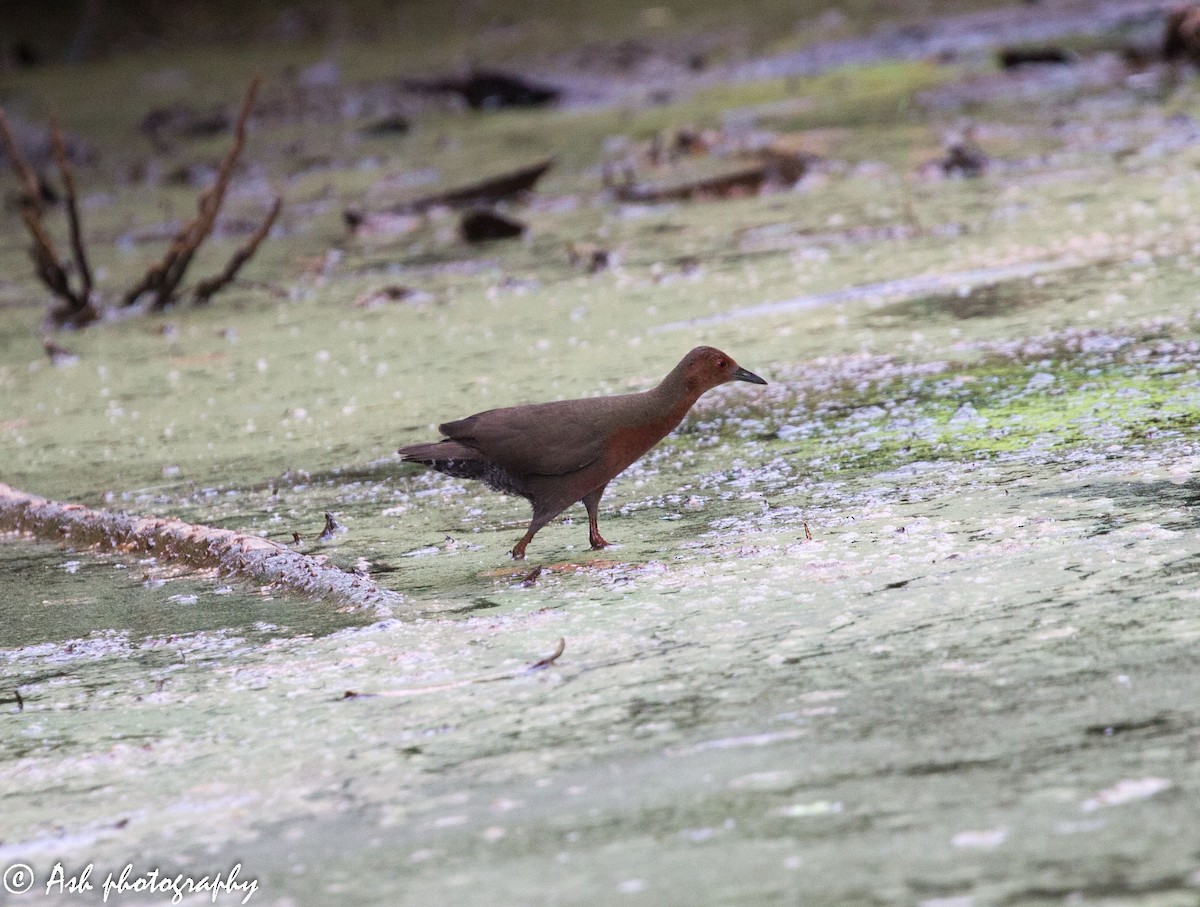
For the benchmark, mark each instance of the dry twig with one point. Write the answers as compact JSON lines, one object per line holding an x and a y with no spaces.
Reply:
{"x":332,"y":527}
{"x":64,"y":169}
{"x":741,"y":184}
{"x":78,"y":309}
{"x":559,"y":648}
{"x":485,"y":192}
{"x":538,"y":665}
{"x":206,"y":289}
{"x":162,"y":279}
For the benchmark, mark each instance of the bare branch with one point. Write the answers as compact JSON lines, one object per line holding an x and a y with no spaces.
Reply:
{"x":45,"y":257}
{"x":163,"y":278}
{"x":47,"y":264}
{"x":206,"y":289}
{"x":77,"y":248}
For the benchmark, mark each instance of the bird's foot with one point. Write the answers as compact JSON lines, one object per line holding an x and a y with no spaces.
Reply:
{"x":597,"y":541}
{"x":518,"y":552}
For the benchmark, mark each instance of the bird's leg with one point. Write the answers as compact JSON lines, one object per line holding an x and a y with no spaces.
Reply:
{"x":518,"y":551}
{"x":540,"y":519}
{"x":592,"y":503}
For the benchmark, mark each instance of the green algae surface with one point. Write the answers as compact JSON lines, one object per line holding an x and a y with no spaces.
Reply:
{"x":915,"y":624}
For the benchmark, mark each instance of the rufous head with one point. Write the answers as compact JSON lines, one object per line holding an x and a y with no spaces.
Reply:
{"x":706,"y":367}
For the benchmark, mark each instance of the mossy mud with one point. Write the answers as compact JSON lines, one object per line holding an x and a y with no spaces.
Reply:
{"x":915,"y":624}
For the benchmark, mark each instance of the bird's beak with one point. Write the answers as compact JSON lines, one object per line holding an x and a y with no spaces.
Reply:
{"x":745,"y":375}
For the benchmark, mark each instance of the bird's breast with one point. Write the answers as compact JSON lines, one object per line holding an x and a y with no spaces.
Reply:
{"x":628,"y":444}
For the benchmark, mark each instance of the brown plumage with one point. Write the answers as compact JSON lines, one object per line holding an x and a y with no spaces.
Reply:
{"x":555,"y":454}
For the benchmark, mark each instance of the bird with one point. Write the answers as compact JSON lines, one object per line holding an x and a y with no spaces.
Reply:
{"x":560,"y":453}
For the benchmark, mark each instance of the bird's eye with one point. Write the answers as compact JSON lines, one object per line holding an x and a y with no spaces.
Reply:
{"x":722,"y":363}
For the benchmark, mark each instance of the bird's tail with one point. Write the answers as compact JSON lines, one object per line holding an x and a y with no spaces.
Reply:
{"x":437,"y":450}
{"x":450,"y":457}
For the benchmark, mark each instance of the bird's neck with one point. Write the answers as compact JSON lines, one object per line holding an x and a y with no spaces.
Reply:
{"x":647,"y":418}
{"x":673,"y":398}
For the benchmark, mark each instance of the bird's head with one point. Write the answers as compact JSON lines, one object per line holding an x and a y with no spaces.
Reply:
{"x":705,"y":368}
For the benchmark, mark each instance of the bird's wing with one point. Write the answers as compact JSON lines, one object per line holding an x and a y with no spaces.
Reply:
{"x":548,"y":439}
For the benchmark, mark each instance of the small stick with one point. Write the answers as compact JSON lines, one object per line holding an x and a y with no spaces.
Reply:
{"x":332,"y":526}
{"x":549,"y":659}
{"x":20,"y":700}
{"x":458,"y":684}
{"x":807,"y":533}
{"x":206,"y":289}
{"x":531,"y":577}
{"x":77,"y":248}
